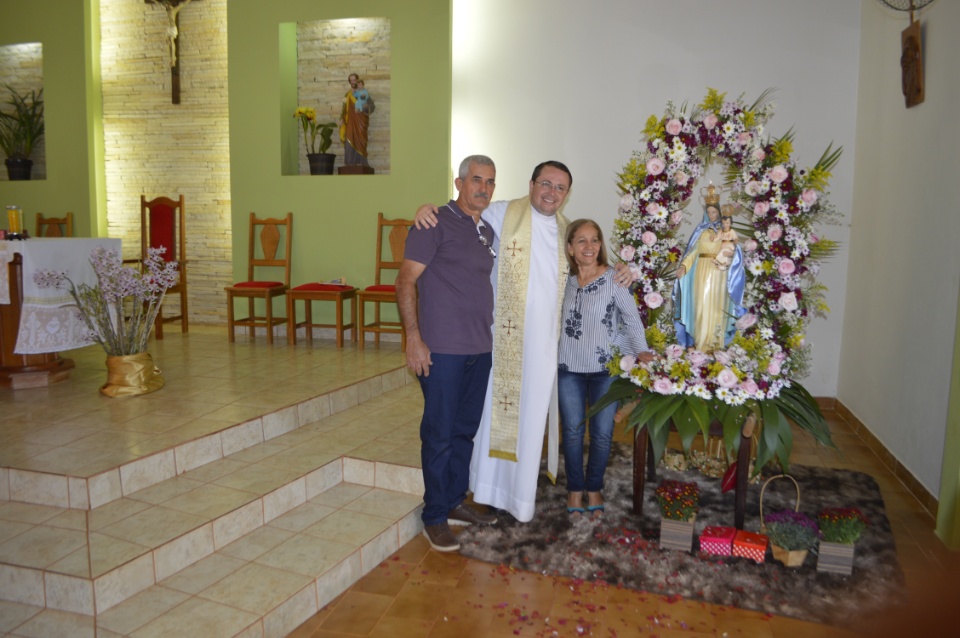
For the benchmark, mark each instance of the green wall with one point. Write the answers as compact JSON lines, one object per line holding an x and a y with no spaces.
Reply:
{"x":70,"y":109}
{"x":335,"y":217}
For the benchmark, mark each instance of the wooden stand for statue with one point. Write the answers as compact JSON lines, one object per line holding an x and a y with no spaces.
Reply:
{"x":355,"y":170}
{"x":645,"y":469}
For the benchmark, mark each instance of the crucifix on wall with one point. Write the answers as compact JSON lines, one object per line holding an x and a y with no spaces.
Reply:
{"x":173,"y":8}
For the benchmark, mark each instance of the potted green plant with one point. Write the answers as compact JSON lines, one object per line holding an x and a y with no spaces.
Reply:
{"x":321,"y":162}
{"x":679,"y":503}
{"x":840,"y":528}
{"x":20,"y":130}
{"x":792,"y":534}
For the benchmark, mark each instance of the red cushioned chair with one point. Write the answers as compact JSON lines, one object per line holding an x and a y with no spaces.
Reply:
{"x":380,"y":292}
{"x":54,"y":226}
{"x":270,"y":232}
{"x":308,"y":293}
{"x":162,"y":226}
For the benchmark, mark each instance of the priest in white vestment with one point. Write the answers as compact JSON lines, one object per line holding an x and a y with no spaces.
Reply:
{"x":522,"y":392}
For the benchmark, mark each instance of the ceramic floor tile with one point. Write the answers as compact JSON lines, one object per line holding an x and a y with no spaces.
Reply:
{"x":203,"y":573}
{"x":41,"y":546}
{"x":256,"y":588}
{"x":153,"y":526}
{"x":307,"y":555}
{"x":198,"y":617}
{"x":140,"y":609}
{"x":351,"y":528}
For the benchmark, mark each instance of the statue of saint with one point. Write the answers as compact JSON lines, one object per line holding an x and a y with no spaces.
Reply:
{"x":708,"y":292}
{"x":354,"y":122}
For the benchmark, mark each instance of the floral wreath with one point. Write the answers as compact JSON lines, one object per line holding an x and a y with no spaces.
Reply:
{"x":781,"y":253}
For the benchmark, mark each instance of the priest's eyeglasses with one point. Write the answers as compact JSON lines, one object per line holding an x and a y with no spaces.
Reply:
{"x":486,"y":244}
{"x":552,"y":187}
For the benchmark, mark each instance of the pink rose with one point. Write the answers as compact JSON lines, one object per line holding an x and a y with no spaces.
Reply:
{"x":775,"y":232}
{"x":676,"y":218}
{"x":648,"y":238}
{"x":746,"y":321}
{"x":653,"y":299}
{"x":749,"y":386}
{"x":627,"y":252}
{"x":673,"y":351}
{"x":655,"y":166}
{"x":627,"y":362}
{"x":809,"y":196}
{"x":744,"y":138}
{"x":722,"y":357}
{"x":773,"y":368}
{"x":761,"y":208}
{"x":710,"y":121}
{"x":653,"y":208}
{"x":727,"y":378}
{"x":697,"y":358}
{"x":750,"y":245}
{"x":779,"y":173}
{"x":786,"y":266}
{"x":759,"y":155}
{"x":627,"y":202}
{"x":663,"y":386}
{"x":674,"y":127}
{"x":681,"y":178}
{"x":780,"y":356}
{"x":752,"y":188}
{"x":636,"y":271}
{"x":788,"y":301}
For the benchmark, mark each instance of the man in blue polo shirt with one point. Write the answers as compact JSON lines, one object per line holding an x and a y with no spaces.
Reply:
{"x":449,"y":344}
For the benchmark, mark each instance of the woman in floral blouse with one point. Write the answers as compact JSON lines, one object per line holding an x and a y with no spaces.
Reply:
{"x":597,"y":315}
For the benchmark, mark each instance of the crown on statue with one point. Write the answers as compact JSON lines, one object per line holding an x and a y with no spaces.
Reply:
{"x":727,"y":210}
{"x":711,"y":195}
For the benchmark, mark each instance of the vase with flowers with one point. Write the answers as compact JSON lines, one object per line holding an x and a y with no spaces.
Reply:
{"x":679,"y":503}
{"x":119,"y":313}
{"x":840,"y":528}
{"x":21,"y":128}
{"x":321,"y":162}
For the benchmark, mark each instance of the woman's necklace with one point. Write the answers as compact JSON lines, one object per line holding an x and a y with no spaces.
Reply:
{"x":584,"y":278}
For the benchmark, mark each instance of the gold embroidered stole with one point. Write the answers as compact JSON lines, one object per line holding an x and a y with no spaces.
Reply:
{"x":513,"y":274}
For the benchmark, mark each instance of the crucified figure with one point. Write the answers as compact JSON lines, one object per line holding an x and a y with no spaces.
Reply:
{"x":172,"y":7}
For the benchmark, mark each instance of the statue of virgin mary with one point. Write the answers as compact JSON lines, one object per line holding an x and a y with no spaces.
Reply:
{"x":707,"y":297}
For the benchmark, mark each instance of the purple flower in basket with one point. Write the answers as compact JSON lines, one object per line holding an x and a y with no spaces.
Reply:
{"x":791,"y":530}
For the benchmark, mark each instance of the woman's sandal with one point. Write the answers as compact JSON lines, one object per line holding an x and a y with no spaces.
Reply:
{"x":575,"y":510}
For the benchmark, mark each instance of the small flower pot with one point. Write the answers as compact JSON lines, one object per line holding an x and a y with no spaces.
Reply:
{"x":321,"y":163}
{"x":789,"y":557}
{"x":19,"y":169}
{"x":835,"y":558}
{"x":677,"y":534}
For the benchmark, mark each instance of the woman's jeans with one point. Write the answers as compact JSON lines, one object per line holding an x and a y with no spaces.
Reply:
{"x":576,"y":390}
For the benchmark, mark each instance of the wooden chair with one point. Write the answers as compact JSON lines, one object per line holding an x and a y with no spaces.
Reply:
{"x":380,"y":292}
{"x":162,"y":225}
{"x":54,"y":226}
{"x":268,"y":232}
{"x":308,"y":293}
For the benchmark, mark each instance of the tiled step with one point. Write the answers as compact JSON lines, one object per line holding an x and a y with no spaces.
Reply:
{"x":116,"y":481}
{"x":260,"y":539}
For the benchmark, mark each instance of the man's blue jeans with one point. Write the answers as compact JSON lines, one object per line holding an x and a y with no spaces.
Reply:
{"x":576,"y":390}
{"x":453,"y":397}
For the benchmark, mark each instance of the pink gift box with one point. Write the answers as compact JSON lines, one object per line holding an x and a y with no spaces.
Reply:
{"x":717,"y":540}
{"x":750,"y":545}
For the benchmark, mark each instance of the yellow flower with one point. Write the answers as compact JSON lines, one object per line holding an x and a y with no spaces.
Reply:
{"x":818,"y":179}
{"x":749,"y":119}
{"x":713,"y":101}
{"x":634,"y":172}
{"x":782,"y":149}
{"x":653,"y":127}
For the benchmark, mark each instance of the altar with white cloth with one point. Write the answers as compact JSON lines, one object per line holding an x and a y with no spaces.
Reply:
{"x":37,"y":323}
